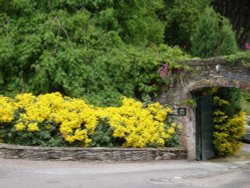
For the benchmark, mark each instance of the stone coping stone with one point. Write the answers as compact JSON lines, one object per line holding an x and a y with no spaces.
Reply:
{"x":90,"y":154}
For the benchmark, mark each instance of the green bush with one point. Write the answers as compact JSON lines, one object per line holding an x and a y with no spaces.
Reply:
{"x":90,"y":49}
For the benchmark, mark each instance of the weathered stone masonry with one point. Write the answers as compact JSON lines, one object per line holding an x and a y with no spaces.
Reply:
{"x":203,"y":74}
{"x":89,"y":154}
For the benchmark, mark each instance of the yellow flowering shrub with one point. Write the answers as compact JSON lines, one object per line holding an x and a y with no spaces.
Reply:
{"x":228,"y":130}
{"x":52,"y":119}
{"x":7,"y":109}
{"x":139,"y":126}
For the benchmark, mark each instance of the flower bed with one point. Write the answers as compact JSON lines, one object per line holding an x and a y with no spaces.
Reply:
{"x":55,"y":120}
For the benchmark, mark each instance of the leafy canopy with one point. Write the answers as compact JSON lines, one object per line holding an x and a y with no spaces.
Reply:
{"x":97,"y":49}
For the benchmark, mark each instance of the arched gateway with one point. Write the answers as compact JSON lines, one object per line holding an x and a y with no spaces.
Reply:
{"x":215,"y":72}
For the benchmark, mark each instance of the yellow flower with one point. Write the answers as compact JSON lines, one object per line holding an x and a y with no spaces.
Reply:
{"x":166,"y":136}
{"x":87,"y":141}
{"x":171,"y":130}
{"x":7,"y":109}
{"x":33,"y":127}
{"x":24,"y":100}
{"x":173,"y":125}
{"x":119,"y":132}
{"x":70,"y":139}
{"x":139,"y":126}
{"x":179,"y":127}
{"x":20,"y":126}
{"x":161,"y":142}
{"x":161,"y":116}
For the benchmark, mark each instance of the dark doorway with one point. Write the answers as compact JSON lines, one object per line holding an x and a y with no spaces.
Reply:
{"x":204,"y":127}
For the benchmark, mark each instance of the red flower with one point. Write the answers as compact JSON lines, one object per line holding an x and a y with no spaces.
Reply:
{"x":247,"y":46}
{"x":164,"y":70}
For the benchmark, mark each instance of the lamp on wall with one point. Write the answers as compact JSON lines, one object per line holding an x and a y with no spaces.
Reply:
{"x":218,"y":68}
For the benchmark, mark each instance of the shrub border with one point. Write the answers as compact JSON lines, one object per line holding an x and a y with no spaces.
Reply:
{"x":90,"y":154}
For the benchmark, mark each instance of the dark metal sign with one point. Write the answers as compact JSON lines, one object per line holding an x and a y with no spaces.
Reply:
{"x":181,"y":111}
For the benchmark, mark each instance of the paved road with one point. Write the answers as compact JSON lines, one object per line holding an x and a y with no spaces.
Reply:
{"x":233,"y":172}
{"x":171,"y":174}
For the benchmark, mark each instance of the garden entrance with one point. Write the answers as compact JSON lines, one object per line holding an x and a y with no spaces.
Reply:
{"x":209,"y":73}
{"x":204,"y":127}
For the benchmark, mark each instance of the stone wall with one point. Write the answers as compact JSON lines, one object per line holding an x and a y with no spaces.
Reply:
{"x":90,"y":154}
{"x":204,"y":74}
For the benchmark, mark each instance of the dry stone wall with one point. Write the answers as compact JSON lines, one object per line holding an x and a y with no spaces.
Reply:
{"x":90,"y":154}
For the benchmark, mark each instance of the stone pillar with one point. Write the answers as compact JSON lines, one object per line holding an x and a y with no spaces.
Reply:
{"x":189,"y":134}
{"x":188,"y":137}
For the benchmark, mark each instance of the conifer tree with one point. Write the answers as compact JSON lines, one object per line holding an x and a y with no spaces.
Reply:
{"x":226,"y":39}
{"x":204,"y":40}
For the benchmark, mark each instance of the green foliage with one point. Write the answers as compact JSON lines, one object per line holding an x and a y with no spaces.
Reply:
{"x":139,"y":22}
{"x":83,"y":48}
{"x":239,"y":58}
{"x":233,"y":96}
{"x":227,"y":44}
{"x":182,"y":18}
{"x":190,"y":102}
{"x":245,"y":102}
{"x":214,"y":36}
{"x":229,"y":128}
{"x":49,"y":135}
{"x":204,"y":40}
{"x":103,"y":137}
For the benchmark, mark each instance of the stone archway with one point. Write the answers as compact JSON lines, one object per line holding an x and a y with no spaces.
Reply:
{"x":215,"y":72}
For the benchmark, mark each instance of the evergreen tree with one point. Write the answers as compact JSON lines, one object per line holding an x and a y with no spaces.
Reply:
{"x":204,"y":40}
{"x":238,"y":13}
{"x":214,"y":36}
{"x":181,"y":18}
{"x":226,"y":39}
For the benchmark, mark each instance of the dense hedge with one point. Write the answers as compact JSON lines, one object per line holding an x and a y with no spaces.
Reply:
{"x":54,"y":120}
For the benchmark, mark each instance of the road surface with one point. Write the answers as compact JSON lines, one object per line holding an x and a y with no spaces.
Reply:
{"x":233,"y":172}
